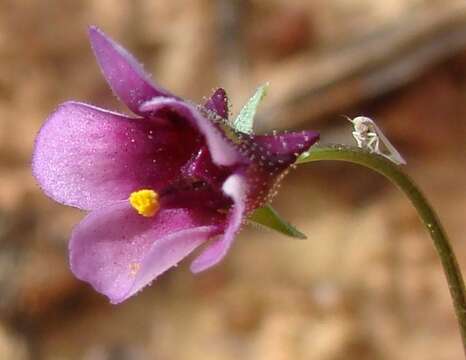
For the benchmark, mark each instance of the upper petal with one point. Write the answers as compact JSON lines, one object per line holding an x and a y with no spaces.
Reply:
{"x":119,"y":252}
{"x":236,"y":188}
{"x":122,"y":71}
{"x":222,"y":151}
{"x":88,"y":157}
{"x":218,"y":103}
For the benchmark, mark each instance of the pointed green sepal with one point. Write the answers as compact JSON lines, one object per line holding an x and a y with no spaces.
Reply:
{"x":267,"y":217}
{"x":245,"y":120}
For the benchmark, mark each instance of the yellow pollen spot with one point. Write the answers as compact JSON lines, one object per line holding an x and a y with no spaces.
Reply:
{"x":145,"y":202}
{"x":134,"y":268}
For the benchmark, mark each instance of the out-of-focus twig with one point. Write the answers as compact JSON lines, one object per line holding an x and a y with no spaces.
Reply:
{"x":314,"y":86}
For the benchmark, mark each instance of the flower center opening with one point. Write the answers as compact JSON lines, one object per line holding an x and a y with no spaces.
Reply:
{"x":145,"y":202}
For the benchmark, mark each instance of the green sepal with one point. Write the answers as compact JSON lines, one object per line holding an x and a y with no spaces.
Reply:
{"x":244,"y":122}
{"x":267,"y":217}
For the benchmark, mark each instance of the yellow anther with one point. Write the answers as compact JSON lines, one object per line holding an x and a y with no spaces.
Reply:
{"x":145,"y":202}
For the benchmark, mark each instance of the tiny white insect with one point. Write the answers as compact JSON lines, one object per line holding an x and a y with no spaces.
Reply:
{"x":369,"y":136}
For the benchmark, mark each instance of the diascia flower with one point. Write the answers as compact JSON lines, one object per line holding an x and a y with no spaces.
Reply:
{"x":157,"y":185}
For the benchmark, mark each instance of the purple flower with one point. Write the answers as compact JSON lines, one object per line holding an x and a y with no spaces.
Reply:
{"x":157,"y":185}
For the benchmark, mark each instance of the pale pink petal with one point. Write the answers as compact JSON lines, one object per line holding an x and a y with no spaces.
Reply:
{"x":119,"y":252}
{"x":88,"y":157}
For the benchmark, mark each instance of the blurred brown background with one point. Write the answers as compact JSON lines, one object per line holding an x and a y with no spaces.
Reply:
{"x":365,"y":285}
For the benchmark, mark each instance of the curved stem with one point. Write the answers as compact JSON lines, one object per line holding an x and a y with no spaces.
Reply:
{"x":428,"y":216}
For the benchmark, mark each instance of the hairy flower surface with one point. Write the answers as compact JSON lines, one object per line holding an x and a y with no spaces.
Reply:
{"x":157,"y":185}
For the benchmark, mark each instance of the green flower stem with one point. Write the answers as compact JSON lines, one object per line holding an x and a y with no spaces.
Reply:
{"x":394,"y":173}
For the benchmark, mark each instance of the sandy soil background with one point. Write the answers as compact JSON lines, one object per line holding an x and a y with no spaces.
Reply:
{"x":366,"y":284}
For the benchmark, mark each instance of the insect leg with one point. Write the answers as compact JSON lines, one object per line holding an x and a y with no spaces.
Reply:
{"x":359,"y":139}
{"x":373,"y":143}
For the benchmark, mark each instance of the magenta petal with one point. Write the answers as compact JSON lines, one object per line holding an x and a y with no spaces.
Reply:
{"x":236,"y":188}
{"x":124,"y":74}
{"x":285,"y":148}
{"x":201,"y":167}
{"x":218,"y":103}
{"x":119,"y":252}
{"x":222,"y":151}
{"x":88,"y":157}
